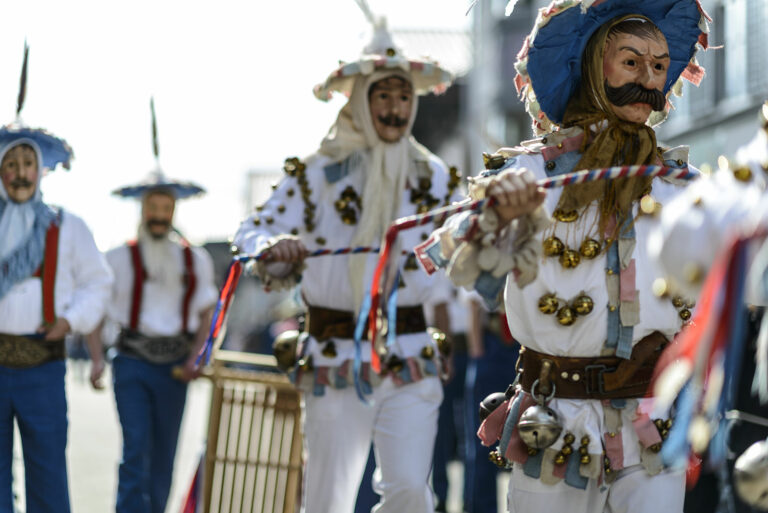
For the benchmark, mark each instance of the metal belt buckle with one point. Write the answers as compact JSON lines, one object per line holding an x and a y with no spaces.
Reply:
{"x":595,"y":386}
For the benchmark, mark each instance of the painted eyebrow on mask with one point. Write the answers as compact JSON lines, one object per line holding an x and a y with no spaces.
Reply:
{"x":640,"y":54}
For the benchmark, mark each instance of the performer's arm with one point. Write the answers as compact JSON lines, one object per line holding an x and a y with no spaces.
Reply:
{"x":96,"y":352}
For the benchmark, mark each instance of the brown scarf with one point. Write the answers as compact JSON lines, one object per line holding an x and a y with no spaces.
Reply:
{"x":608,"y":141}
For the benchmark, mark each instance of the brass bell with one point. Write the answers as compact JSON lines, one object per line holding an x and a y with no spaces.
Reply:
{"x":532,"y":451}
{"x":685,"y":314}
{"x":570,"y":259}
{"x":567,"y":450}
{"x":539,"y":426}
{"x":494,"y":161}
{"x":750,"y":475}
{"x":548,"y":304}
{"x":553,"y":246}
{"x":559,"y":459}
{"x":678,"y":302}
{"x":585,"y":459}
{"x":742,"y":174}
{"x":569,"y":438}
{"x":284,"y":349}
{"x":589,"y":249}
{"x":422,"y":208}
{"x":425,"y":184}
{"x":427,"y":352}
{"x":583,"y":304}
{"x":490,"y":403}
{"x":329,"y":351}
{"x":583,"y":450}
{"x":659,"y":423}
{"x":565,"y":217}
{"x":441,"y":341}
{"x":664,"y":433}
{"x":668,"y":423}
{"x":410,"y":263}
{"x":566,"y":316}
{"x":394,"y":363}
{"x":497,"y":459}
{"x":340,"y":204}
{"x":655,"y":448}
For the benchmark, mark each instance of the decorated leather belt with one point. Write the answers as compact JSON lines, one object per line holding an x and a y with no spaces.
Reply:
{"x":155,"y":349}
{"x":22,"y":352}
{"x":592,"y":378}
{"x":325,"y":323}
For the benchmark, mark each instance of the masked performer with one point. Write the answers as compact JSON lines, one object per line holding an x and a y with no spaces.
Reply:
{"x":53,"y":281}
{"x":572,"y":263}
{"x":162,"y":300}
{"x":368,"y":171}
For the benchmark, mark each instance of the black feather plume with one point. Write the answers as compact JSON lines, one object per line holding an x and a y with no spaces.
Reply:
{"x":155,"y":144}
{"x":23,"y":82}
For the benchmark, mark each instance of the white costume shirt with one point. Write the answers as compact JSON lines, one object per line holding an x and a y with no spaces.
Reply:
{"x":161,"y":305}
{"x":83,"y":279}
{"x":325,"y":281}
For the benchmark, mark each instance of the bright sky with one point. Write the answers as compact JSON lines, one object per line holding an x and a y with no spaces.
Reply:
{"x":232,"y":82}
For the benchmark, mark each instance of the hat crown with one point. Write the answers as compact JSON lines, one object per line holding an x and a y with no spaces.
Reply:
{"x":381,"y":41}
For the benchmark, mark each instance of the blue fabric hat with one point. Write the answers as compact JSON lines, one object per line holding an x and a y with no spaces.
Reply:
{"x":54,"y":150}
{"x":158,"y":182}
{"x":549,"y":64}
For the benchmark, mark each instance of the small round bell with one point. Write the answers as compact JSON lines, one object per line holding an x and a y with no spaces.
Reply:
{"x":284,"y":349}
{"x":553,"y":246}
{"x":329,"y":350}
{"x":442,"y":342}
{"x":750,"y":475}
{"x":583,"y":304}
{"x":490,"y":403}
{"x":589,"y":249}
{"x":570,"y":259}
{"x":563,"y":216}
{"x":566,"y":316}
{"x":539,"y":426}
{"x":678,"y":302}
{"x":685,"y":314}
{"x":548,"y":304}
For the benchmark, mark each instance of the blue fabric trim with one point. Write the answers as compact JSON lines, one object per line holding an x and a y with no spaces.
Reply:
{"x":614,"y":322}
{"x":435,"y":253}
{"x":673,"y":163}
{"x":510,"y":423}
{"x":532,"y":466}
{"x":361,"y":387}
{"x":430,"y":367}
{"x":627,"y":230}
{"x":340,"y":382}
{"x":618,"y":404}
{"x":336,"y":171}
{"x":179,"y":190}
{"x":554,"y":58}
{"x":572,"y":475}
{"x":26,"y":259}
{"x":563,"y":163}
{"x":624,"y":346}
{"x":489,"y":287}
{"x":392,"y":313}
{"x":405,"y":374}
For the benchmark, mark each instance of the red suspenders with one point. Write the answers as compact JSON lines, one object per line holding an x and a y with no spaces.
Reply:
{"x":139,"y":275}
{"x":47,"y":272}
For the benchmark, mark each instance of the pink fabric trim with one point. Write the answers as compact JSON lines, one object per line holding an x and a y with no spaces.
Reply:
{"x":343,"y":369}
{"x":413,"y":365}
{"x":517,"y":451}
{"x":693,"y":73}
{"x":322,"y":376}
{"x":519,"y":83}
{"x":614,"y":450}
{"x":568,"y":145}
{"x":559,"y":470}
{"x":490,"y":429}
{"x":628,"y":291}
{"x":610,"y":226}
{"x":646,"y":431}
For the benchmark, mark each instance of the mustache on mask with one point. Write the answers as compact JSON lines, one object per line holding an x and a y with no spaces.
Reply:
{"x":21,"y":183}
{"x":635,"y":93}
{"x":393,"y":120}
{"x":158,"y":222}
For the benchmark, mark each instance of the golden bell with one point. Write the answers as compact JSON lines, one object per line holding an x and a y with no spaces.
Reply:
{"x":685,"y":314}
{"x":585,"y":459}
{"x":284,"y":349}
{"x":553,"y":246}
{"x":427,"y":352}
{"x":583,"y":450}
{"x":548,"y":304}
{"x":566,"y":316}
{"x":570,"y":259}
{"x":422,"y":208}
{"x":494,"y":161}
{"x":585,"y":440}
{"x":590,"y":248}
{"x":532,"y":451}
{"x":340,"y":204}
{"x":664,"y":433}
{"x":583,"y":305}
{"x":565,"y":217}
{"x":655,"y":448}
{"x":567,"y":450}
{"x":668,"y":423}
{"x":441,"y":341}
{"x":559,"y":459}
{"x":425,"y":184}
{"x":678,"y":302}
{"x":329,"y":351}
{"x":659,"y":423}
{"x":569,"y":438}
{"x":742,"y":174}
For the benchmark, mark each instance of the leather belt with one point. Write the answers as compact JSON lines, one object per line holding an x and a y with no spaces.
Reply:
{"x":158,"y":350}
{"x":20,"y":352}
{"x":593,"y":378}
{"x":326,"y":323}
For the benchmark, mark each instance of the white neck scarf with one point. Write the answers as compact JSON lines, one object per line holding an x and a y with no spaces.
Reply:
{"x":384,"y":167}
{"x":18,"y":218}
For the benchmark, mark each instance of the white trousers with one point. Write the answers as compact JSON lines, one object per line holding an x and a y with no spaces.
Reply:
{"x":338,"y":430}
{"x":633,"y":491}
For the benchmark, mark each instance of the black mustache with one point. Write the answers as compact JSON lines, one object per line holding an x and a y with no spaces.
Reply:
{"x":158,"y":222}
{"x":635,"y":93}
{"x":21,"y":182}
{"x":393,"y":120}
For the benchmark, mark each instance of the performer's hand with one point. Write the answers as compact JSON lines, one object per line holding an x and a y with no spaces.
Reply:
{"x":515,"y":193}
{"x":57,"y":331}
{"x":189,"y":371}
{"x":288,"y":250}
{"x":97,"y":370}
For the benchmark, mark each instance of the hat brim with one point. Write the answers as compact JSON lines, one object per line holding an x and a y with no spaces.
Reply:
{"x":550,"y":62}
{"x":426,"y":76}
{"x":54,"y":150}
{"x":177,"y":189}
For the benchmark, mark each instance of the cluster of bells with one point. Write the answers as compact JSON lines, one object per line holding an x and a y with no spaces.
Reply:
{"x":663,"y":426}
{"x":422,"y":197}
{"x":454,"y":179}
{"x":348,"y":205}
{"x":567,"y":313}
{"x":683,"y":307}
{"x":568,"y":257}
{"x":295,"y":168}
